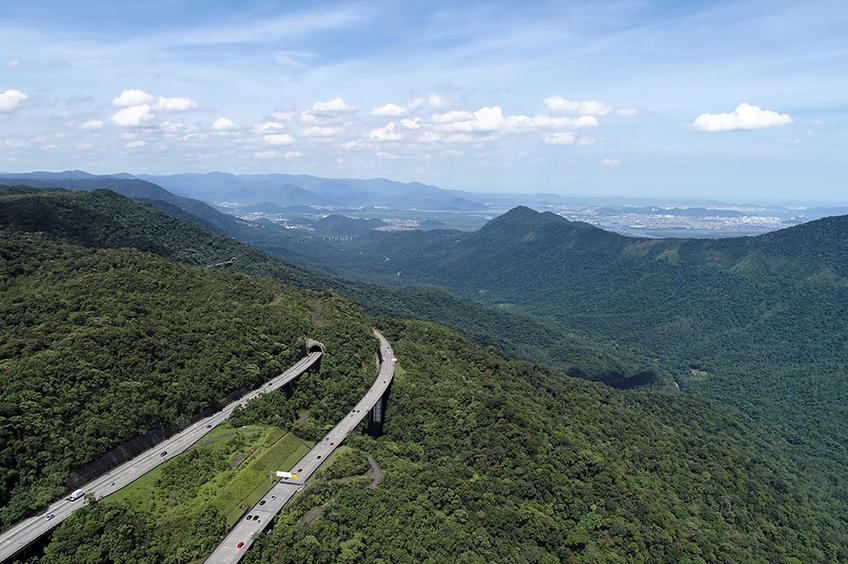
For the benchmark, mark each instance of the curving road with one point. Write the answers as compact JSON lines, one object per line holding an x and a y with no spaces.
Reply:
{"x":246,"y":529}
{"x":27,"y":531}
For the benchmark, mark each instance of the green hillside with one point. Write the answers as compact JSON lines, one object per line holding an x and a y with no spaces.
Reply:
{"x":102,"y":346}
{"x":490,"y":460}
{"x":484,"y":458}
{"x":757,"y":323}
{"x":102,"y":218}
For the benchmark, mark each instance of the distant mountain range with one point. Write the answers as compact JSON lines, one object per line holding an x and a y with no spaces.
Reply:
{"x":295,"y":190}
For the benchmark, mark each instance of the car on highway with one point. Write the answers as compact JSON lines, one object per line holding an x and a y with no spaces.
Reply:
{"x":48,"y":516}
{"x":262,"y":502}
{"x":164,"y":452}
{"x":240,"y":544}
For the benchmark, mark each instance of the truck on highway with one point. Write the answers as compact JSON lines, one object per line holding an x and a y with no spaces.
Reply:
{"x":76,"y":495}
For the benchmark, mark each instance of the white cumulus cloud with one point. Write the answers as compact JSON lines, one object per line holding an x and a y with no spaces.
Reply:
{"x":133,"y":97}
{"x":10,"y":99}
{"x":268,"y":127}
{"x":745,"y":116}
{"x":336,"y":105}
{"x":279,"y":139}
{"x":611,"y":163}
{"x":224,"y":124}
{"x":175,"y":104}
{"x":171,"y":128}
{"x":452,"y":116}
{"x":133,"y":116}
{"x":353,"y":145}
{"x":411,"y":123}
{"x":387,"y":133}
{"x":433,"y":100}
{"x":484,"y":119}
{"x":585,"y":107}
{"x":278,"y":154}
{"x":389,"y":110}
{"x":521,"y":123}
{"x":135,"y":144}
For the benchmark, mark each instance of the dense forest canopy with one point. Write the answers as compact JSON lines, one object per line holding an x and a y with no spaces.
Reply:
{"x":556,"y":469}
{"x":757,"y":323}
{"x":484,"y":458}
{"x":101,"y":346}
{"x":102,"y":218}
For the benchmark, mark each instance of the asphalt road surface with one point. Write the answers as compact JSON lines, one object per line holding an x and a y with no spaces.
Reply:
{"x":27,"y":531}
{"x":261,"y":514}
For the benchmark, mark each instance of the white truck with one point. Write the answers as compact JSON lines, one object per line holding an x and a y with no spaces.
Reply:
{"x":76,"y":495}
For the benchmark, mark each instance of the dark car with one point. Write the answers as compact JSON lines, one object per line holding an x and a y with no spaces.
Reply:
{"x":164,"y":452}
{"x":262,"y":502}
{"x":240,"y":544}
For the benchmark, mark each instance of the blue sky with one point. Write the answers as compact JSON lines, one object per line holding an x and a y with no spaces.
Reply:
{"x":732,"y":100}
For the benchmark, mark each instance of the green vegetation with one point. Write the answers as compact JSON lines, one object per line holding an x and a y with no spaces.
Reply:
{"x":763,"y":316}
{"x":104,"y":219}
{"x":102,"y":346}
{"x":555,"y":469}
{"x":485,"y":459}
{"x":250,"y":484}
{"x":226,"y":472}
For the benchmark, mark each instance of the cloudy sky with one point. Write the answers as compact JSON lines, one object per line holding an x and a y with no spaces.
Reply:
{"x":741,"y":100}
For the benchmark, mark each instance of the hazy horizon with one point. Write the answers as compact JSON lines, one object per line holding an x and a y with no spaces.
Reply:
{"x":788,"y":202}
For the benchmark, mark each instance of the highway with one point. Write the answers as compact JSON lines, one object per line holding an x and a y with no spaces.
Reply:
{"x":27,"y":531}
{"x":242,"y":535}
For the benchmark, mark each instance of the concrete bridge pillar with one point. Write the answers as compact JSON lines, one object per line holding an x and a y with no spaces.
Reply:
{"x":377,"y":416}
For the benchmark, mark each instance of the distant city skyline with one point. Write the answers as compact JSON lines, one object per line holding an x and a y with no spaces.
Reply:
{"x":711,"y":100}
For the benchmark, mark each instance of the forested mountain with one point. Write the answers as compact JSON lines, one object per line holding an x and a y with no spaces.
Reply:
{"x":555,"y":470}
{"x":101,"y":346}
{"x":126,"y":186}
{"x":758,"y":323}
{"x":104,"y":219}
{"x":484,"y":458}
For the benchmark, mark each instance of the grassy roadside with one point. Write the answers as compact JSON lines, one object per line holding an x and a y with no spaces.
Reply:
{"x":227,"y":471}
